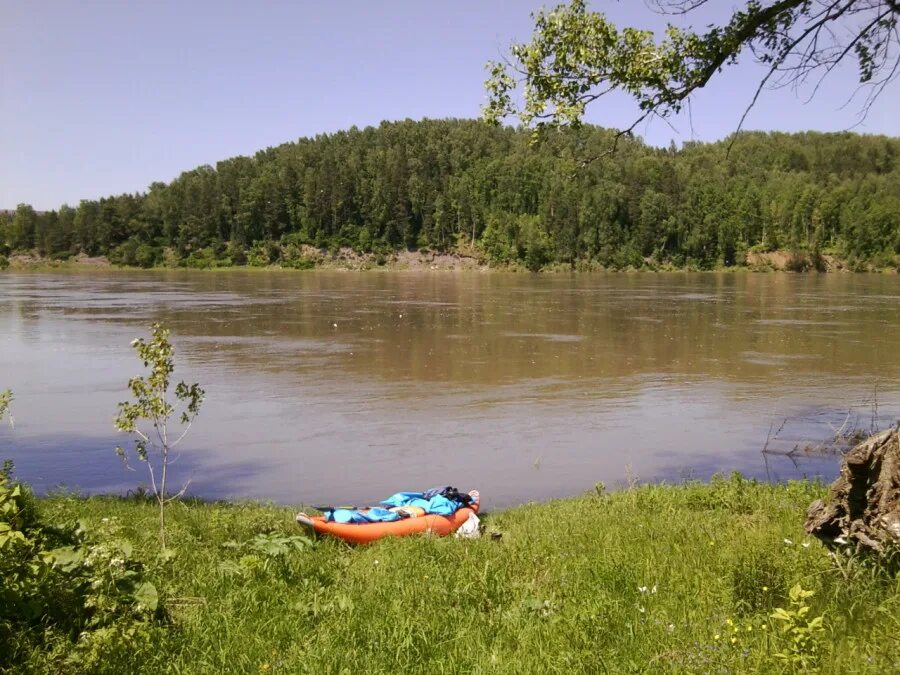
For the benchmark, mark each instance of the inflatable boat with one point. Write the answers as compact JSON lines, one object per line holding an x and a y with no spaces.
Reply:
{"x":366,"y":533}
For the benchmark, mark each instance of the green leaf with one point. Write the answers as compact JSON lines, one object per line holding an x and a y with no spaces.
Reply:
{"x":230,"y":568}
{"x":147,"y":596}
{"x":66,"y":557}
{"x":168,"y":555}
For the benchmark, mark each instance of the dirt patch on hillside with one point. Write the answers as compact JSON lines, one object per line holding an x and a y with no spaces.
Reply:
{"x":347,"y":258}
{"x":788,"y":261}
{"x":437,"y":261}
{"x":31,"y":260}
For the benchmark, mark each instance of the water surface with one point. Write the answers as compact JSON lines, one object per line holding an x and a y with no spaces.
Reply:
{"x":343,"y":386}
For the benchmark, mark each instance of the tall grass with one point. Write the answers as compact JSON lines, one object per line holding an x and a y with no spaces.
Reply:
{"x":650,"y":579}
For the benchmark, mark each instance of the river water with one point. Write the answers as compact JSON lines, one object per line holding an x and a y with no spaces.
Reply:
{"x":327,"y":387}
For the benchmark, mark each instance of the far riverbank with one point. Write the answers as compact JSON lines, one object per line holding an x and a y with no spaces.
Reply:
{"x":468,"y":259}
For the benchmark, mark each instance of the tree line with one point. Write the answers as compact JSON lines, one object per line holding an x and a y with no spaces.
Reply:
{"x":449,"y":185}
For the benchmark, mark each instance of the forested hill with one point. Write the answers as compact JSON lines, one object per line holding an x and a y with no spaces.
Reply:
{"x":446,"y":184}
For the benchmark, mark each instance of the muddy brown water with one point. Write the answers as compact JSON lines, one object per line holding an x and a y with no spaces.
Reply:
{"x":327,"y":387}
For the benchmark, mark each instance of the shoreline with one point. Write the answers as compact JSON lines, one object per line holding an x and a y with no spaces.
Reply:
{"x":348,"y":260}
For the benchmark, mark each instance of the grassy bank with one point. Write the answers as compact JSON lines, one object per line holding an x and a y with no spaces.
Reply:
{"x":649,"y":579}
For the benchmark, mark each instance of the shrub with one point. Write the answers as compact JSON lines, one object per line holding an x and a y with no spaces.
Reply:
{"x":759,"y":247}
{"x":797,"y":262}
{"x":882,"y":261}
{"x":294,"y":259}
{"x":817,"y":260}
{"x":4,"y":262}
{"x":382,"y":247}
{"x":134,"y":253}
{"x":734,"y":494}
{"x":124,"y":253}
{"x":263,"y":253}
{"x":202,"y":259}
{"x":266,"y":553}
{"x":170,"y":257}
{"x":235,"y":251}
{"x":147,"y":256}
{"x":856,"y":264}
{"x":63,"y":585}
{"x":364,"y":240}
{"x":626,"y":257}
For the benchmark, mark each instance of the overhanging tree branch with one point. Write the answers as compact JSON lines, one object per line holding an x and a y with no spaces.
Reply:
{"x":577,"y":57}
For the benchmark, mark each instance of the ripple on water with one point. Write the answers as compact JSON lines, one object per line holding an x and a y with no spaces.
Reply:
{"x":548,"y":337}
{"x":798,"y":322}
{"x":703,"y":297}
{"x":770,"y":359}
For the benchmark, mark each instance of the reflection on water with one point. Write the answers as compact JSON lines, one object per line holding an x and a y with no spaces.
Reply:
{"x":336,"y":386}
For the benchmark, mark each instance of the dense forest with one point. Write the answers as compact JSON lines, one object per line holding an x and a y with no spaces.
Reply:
{"x":449,"y":185}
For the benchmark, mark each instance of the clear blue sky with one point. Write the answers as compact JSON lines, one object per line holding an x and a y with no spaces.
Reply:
{"x":104,"y":97}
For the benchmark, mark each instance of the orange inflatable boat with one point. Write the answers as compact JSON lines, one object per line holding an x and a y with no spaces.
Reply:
{"x":366,"y":533}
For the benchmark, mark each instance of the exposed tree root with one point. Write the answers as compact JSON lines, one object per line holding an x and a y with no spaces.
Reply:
{"x":863,"y":508}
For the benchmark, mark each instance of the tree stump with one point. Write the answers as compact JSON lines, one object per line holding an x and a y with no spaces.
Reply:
{"x":863,"y":507}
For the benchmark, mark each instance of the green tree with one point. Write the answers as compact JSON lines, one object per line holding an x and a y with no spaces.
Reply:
{"x":153,"y":409}
{"x":84,"y":235}
{"x":459,"y":184}
{"x":23,"y":226}
{"x":576,"y":57}
{"x":58,"y":237}
{"x":536,"y":243}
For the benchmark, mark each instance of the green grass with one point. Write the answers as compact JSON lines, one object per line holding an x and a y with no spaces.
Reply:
{"x":649,"y":579}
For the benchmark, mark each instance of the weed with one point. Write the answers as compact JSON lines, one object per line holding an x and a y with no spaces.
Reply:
{"x":801,"y":633}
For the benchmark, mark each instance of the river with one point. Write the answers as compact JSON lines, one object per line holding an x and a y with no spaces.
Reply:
{"x":325,"y":387}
